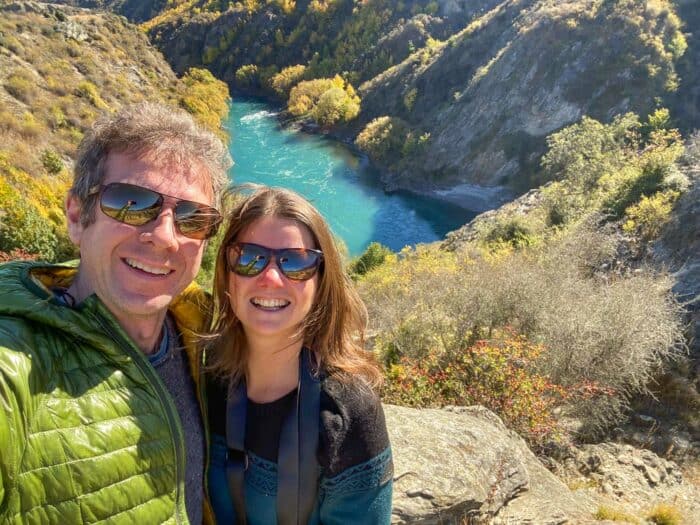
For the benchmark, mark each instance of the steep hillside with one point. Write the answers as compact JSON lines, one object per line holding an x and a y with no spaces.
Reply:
{"x":60,"y":67}
{"x":490,"y":94}
{"x":686,"y":100}
{"x":134,"y":10}
{"x":464,"y":92}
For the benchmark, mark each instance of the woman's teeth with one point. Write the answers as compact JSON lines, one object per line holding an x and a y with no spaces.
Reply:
{"x":269,"y":303}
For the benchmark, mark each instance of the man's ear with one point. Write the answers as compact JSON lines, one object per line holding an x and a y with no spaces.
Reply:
{"x":75,"y":226}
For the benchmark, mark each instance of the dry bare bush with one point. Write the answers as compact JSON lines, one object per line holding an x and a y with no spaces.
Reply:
{"x":612,"y":331}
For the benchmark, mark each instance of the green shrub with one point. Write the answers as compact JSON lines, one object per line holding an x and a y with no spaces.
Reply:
{"x":563,"y":204}
{"x":644,"y":177}
{"x":513,"y":231}
{"x":52,"y":161}
{"x":22,"y":227}
{"x":582,"y":153}
{"x":373,"y":256}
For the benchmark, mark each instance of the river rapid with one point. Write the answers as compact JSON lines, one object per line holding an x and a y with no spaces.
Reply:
{"x":338,"y":181}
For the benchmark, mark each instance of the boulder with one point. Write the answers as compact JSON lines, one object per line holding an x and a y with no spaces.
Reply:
{"x":462,"y":465}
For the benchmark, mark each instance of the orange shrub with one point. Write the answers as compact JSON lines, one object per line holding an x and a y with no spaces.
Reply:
{"x":498,"y":374}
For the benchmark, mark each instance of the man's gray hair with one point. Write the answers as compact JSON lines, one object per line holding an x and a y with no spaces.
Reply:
{"x":165,"y":134}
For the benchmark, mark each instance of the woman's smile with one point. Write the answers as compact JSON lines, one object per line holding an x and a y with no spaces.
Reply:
{"x":270,"y":305}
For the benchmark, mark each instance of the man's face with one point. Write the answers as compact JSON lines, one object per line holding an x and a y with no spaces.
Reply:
{"x":137,"y":271}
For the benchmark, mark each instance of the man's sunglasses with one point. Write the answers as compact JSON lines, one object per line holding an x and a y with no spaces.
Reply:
{"x":248,"y":259}
{"x":137,"y":206}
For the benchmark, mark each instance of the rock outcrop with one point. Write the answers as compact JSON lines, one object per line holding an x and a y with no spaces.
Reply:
{"x":461,"y":465}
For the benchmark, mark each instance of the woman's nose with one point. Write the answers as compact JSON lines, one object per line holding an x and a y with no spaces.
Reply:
{"x":272,"y":275}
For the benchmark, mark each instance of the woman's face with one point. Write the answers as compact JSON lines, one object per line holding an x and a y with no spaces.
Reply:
{"x":270,"y":305}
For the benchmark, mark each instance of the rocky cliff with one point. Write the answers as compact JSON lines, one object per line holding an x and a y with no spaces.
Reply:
{"x":482,"y":83}
{"x":490,"y":94}
{"x":462,"y":465}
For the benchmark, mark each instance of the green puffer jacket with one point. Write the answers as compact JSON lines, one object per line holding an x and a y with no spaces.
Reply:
{"x":88,"y":432}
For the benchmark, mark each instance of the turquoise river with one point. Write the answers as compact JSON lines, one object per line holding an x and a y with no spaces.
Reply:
{"x":339,"y":182}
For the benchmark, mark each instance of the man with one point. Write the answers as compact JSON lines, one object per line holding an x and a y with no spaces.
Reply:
{"x":99,"y":414}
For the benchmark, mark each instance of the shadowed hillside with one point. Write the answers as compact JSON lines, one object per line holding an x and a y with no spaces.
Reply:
{"x":450,"y":92}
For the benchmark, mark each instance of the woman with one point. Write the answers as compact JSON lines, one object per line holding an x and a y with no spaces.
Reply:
{"x":298,"y":432}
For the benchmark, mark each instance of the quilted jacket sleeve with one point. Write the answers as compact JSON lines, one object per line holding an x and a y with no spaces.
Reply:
{"x":15,"y":410}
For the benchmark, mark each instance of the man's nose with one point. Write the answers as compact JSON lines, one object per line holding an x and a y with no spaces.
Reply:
{"x":163,"y":232}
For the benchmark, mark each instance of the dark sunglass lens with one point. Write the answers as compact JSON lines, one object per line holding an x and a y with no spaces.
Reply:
{"x":298,"y":264}
{"x":196,"y":220}
{"x":248,"y":259}
{"x":130,"y":204}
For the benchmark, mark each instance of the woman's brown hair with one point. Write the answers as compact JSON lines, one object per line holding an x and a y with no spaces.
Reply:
{"x":333,"y":330}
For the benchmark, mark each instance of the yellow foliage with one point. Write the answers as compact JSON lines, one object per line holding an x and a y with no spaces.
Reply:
{"x":168,"y":14}
{"x":287,"y":6}
{"x":206,"y":98}
{"x":45,"y":193}
{"x":326,"y":100}
{"x":88,"y":90}
{"x":650,"y":214}
{"x":283,"y":81}
{"x":398,"y":271}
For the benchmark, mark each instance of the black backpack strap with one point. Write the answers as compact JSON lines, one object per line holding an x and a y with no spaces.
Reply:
{"x":236,"y":459}
{"x":297,"y":466}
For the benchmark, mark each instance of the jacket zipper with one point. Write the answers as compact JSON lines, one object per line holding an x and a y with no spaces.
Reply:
{"x":168,"y":406}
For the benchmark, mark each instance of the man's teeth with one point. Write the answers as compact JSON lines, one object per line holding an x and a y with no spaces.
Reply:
{"x":146,"y":268}
{"x":269,"y":303}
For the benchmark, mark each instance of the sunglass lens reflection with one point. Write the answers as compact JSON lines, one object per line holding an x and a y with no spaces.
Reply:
{"x":298,"y":264}
{"x":249,"y":260}
{"x":195,"y":220}
{"x":130,"y":204}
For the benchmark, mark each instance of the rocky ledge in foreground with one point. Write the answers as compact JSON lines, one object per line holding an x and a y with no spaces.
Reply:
{"x":461,"y":465}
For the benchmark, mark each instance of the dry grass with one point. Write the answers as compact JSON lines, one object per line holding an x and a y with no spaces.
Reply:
{"x":665,"y":514}
{"x":607,"y":513}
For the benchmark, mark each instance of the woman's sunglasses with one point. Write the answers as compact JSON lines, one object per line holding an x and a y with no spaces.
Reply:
{"x":137,"y":206}
{"x":248,"y":259}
